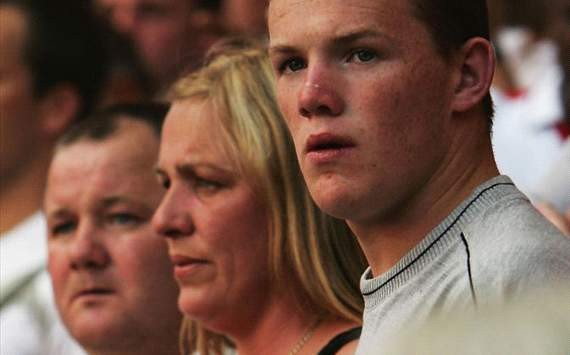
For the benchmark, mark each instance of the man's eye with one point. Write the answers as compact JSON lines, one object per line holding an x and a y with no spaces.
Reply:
{"x":363,"y":56}
{"x":292,"y":65}
{"x":121,"y":219}
{"x":62,"y":228}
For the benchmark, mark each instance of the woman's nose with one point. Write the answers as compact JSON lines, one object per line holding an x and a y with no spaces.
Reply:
{"x":172,"y":218}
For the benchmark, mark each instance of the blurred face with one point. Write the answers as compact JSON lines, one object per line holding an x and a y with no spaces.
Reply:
{"x":560,"y":29}
{"x":366,"y":98}
{"x":18,"y":124}
{"x":111,"y":275}
{"x":162,"y":31}
{"x":214,"y":225}
{"x":245,"y":16}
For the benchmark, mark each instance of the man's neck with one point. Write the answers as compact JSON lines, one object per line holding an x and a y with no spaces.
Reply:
{"x":387,"y":239}
{"x":21,"y":195}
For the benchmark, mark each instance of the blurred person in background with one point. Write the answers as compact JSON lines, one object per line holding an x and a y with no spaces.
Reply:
{"x":527,"y":131}
{"x":168,"y":35}
{"x":52,"y":67}
{"x":111,"y":274}
{"x":260,"y":268}
{"x":244,"y":16}
{"x":552,"y":192}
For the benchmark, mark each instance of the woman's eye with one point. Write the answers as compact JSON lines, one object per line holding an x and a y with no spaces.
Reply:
{"x":363,"y":56}
{"x":62,"y":228}
{"x":206,"y":185}
{"x":292,"y":65}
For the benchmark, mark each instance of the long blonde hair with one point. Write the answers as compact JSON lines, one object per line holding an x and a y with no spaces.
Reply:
{"x":315,"y":252}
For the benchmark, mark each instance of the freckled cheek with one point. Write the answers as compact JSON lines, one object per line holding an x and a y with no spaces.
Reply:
{"x":288,"y":97}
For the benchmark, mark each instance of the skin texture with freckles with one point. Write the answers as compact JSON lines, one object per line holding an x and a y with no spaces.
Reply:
{"x":369,"y":73}
{"x":111,"y":275}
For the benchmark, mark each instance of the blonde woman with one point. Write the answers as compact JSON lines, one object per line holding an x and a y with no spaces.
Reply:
{"x":260,"y":268}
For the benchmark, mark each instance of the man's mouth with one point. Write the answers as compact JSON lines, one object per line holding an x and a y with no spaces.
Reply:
{"x":326,"y":141}
{"x":93,"y":292}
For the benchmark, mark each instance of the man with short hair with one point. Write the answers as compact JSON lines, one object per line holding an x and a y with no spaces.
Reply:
{"x":112,"y":278}
{"x":389,"y":108}
{"x":52,"y":67}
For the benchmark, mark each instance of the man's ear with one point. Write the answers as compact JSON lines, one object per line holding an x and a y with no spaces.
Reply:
{"x":59,"y":107}
{"x":477,"y":65}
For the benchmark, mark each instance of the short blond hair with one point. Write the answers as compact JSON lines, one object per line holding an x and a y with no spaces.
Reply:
{"x":319,"y":251}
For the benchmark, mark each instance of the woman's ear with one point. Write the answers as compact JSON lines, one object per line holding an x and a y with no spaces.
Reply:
{"x":58,"y":109}
{"x":477,"y":65}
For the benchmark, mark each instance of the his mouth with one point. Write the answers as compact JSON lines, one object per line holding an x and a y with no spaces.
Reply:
{"x":95,"y":291}
{"x":326,"y":141}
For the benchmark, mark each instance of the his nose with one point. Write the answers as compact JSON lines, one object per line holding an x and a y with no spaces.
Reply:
{"x":172,"y":217}
{"x":87,"y":250}
{"x":318,"y":97}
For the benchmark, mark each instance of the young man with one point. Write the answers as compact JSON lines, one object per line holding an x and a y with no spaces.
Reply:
{"x":389,"y":108}
{"x":52,"y":67}
{"x":111,"y":274}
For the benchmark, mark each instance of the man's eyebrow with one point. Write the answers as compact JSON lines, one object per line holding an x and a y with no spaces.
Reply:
{"x":281,"y":49}
{"x":344,"y":38}
{"x":356,"y":35}
{"x":114,"y":200}
{"x":58,"y":213}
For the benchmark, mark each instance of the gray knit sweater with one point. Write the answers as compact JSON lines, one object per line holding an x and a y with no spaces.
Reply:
{"x":492,"y":248}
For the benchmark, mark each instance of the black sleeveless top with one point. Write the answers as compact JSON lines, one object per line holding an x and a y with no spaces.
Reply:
{"x":340,"y":340}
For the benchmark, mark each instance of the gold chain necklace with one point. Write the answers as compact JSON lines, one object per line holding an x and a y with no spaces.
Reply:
{"x":305,"y":338}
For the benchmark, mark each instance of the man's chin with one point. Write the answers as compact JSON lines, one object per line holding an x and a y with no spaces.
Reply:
{"x":97,"y":329}
{"x":336,"y":201}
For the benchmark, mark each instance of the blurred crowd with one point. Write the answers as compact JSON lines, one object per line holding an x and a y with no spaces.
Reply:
{"x":530,"y":90}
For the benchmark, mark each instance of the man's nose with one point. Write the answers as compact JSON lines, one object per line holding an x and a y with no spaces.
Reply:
{"x":87,"y":250}
{"x":318,"y":95}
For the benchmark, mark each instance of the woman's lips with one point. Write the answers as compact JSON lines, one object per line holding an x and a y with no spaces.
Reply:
{"x":186,"y":267}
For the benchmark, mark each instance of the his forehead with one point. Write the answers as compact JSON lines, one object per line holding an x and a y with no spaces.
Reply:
{"x":336,"y":20}
{"x":279,"y":8}
{"x":98,"y":177}
{"x":341,"y":13}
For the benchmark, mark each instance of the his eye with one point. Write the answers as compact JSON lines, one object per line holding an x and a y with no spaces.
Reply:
{"x":123,"y":219}
{"x":292,"y":65}
{"x":362,"y":56}
{"x":62,"y":228}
